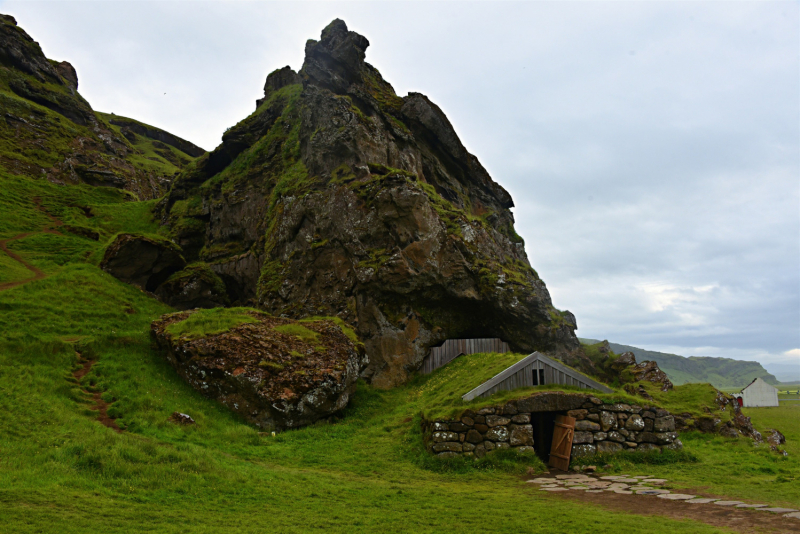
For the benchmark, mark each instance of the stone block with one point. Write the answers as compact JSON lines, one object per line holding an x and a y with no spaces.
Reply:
{"x":444,"y":436}
{"x":587,"y":425}
{"x":521,"y":419}
{"x":496,"y":420}
{"x":448,"y":454}
{"x":479,"y":419}
{"x":447,"y":446}
{"x":473,"y":436}
{"x":616,"y":436}
{"x":481,"y":428}
{"x":620,"y":408}
{"x":584,"y":450}
{"x":526,"y":448}
{"x":486,"y":411}
{"x":502,"y":445}
{"x":521,"y":435}
{"x":458,"y":427}
{"x":578,"y":414}
{"x":636,"y":423}
{"x":468,"y":455}
{"x":660,"y":412}
{"x":461,"y":437}
{"x":488,"y":445}
{"x":648,"y":425}
{"x":676,"y":445}
{"x":469,"y":421}
{"x":439,"y":426}
{"x":510,"y":409}
{"x":624,"y":432}
{"x":608,"y":446}
{"x":631,"y":444}
{"x":467,"y":447}
{"x":607,"y":421}
{"x":582,"y":437}
{"x":479,"y":451}
{"x":497,"y":434}
{"x":636,"y":409}
{"x":555,"y":401}
{"x":648,"y":414}
{"x":662,"y":438}
{"x":593,"y":417}
{"x":595,"y":401}
{"x":622,"y":417}
{"x":646,"y":437}
{"x":664,"y":424}
{"x":646,"y":447}
{"x":600,"y":436}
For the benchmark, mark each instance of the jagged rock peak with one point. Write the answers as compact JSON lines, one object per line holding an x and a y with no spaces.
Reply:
{"x":277,"y":80}
{"x":337,"y":59}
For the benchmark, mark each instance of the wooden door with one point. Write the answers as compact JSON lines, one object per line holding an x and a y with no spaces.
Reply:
{"x":562,"y":442}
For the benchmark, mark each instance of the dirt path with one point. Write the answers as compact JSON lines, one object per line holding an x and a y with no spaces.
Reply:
{"x":37,"y":273}
{"x":737,"y":519}
{"x":100,"y":405}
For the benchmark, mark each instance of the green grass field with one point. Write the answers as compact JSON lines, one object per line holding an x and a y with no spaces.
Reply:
{"x":61,"y":471}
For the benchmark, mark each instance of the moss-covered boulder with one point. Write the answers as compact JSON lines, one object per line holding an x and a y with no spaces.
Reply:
{"x":275,"y":372}
{"x":196,"y":286}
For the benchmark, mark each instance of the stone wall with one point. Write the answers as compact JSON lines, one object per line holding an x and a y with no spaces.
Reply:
{"x":600,"y":427}
{"x":615,"y":427}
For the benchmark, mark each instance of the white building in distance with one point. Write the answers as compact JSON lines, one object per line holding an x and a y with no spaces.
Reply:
{"x":758,"y":394}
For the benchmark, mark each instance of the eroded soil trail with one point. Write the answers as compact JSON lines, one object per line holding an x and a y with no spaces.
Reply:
{"x":100,"y":405}
{"x":37,"y":273}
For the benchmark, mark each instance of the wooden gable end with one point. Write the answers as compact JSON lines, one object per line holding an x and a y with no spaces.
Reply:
{"x":535,"y":370}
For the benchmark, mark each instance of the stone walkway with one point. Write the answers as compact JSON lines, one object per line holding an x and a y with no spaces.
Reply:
{"x":642,"y":485}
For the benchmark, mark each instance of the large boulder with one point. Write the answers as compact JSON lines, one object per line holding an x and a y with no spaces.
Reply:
{"x":143,"y":261}
{"x":276,"y":373}
{"x":339,"y":197}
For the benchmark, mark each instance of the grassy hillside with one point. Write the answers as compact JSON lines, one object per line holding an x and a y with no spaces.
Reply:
{"x":60,"y":470}
{"x":722,"y":373}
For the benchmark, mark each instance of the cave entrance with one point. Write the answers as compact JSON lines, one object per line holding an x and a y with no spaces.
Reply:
{"x":544,"y":424}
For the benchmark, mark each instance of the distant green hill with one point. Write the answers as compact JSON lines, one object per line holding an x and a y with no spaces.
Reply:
{"x":719,"y":372}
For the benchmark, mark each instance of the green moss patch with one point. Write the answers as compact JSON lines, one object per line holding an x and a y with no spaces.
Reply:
{"x":299,"y":331}
{"x":203,"y":323}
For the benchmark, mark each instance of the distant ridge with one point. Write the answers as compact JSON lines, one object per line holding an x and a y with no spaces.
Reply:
{"x":719,"y":372}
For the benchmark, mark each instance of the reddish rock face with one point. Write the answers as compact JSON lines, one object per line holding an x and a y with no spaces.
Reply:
{"x":273,"y":379}
{"x":348,"y":200}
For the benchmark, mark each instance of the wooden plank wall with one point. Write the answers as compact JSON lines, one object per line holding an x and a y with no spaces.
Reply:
{"x":453,"y":348}
{"x":524,"y":378}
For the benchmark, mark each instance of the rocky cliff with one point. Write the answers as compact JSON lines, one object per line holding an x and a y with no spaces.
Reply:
{"x":338,"y":197}
{"x":49,"y":131}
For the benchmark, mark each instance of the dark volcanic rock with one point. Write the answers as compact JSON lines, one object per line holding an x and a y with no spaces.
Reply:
{"x":649,"y":371}
{"x":142,"y":261}
{"x":338,"y":197}
{"x":196,"y":286}
{"x":68,"y":73}
{"x":274,"y":379}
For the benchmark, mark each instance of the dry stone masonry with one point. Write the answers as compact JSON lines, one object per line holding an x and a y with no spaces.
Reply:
{"x":600,"y":427}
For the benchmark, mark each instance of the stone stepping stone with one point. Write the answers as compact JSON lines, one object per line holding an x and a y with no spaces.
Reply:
{"x":550,"y":486}
{"x":700,"y":501}
{"x":623,"y":492}
{"x":655,"y":481}
{"x":776,"y":510}
{"x":578,"y":487}
{"x":572,"y":477}
{"x":540,"y":481}
{"x":751,"y":506}
{"x":601,"y":491}
{"x":793,"y":515}
{"x":637,"y":488}
{"x":676,"y":496}
{"x":652,"y":492}
{"x":553,"y":489}
{"x":728,"y":503}
{"x":611,"y":477}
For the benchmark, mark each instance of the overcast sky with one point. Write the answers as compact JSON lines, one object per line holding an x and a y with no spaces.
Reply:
{"x":652,"y":148}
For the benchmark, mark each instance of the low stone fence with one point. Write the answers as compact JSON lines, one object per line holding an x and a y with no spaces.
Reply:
{"x":600,"y":427}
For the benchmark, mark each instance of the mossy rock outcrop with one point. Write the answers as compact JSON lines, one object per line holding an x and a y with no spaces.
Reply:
{"x":276,"y":373}
{"x":338,"y":197}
